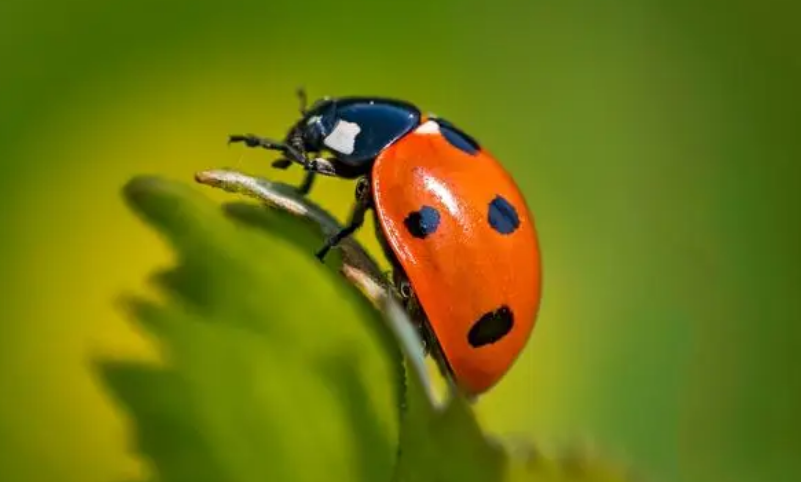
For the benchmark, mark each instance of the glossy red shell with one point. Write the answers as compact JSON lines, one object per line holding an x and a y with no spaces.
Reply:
{"x":465,"y":268}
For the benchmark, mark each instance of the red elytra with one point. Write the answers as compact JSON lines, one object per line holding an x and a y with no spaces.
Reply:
{"x":452,"y":221}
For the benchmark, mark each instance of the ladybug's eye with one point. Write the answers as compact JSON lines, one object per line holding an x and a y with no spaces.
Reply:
{"x":317,"y":123}
{"x":313,"y":130}
{"x":457,"y":138}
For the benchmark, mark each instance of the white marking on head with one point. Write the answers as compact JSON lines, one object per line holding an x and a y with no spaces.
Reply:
{"x":428,"y":127}
{"x":314,"y":120}
{"x":343,"y":137}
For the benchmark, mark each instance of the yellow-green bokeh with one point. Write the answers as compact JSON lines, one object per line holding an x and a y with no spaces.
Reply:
{"x":656,"y":142}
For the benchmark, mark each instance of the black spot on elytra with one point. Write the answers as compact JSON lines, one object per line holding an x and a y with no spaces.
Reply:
{"x":502,"y":216}
{"x":457,"y":138}
{"x":422,"y":223}
{"x":491,"y":327}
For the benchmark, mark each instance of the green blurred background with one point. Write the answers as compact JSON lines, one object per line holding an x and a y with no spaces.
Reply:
{"x":657,"y":143}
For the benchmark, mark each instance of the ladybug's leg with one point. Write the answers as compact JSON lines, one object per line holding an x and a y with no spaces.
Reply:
{"x":411,"y":304}
{"x":306,"y":185}
{"x":356,"y":218}
{"x":414,"y":310}
{"x":316,"y":166}
{"x":292,"y":153}
{"x":308,"y":179}
{"x":313,"y":167}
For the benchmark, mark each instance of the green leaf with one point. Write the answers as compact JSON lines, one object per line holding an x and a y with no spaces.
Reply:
{"x":276,"y":369}
{"x":445,"y":445}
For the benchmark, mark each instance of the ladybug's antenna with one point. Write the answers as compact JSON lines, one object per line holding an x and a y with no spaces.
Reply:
{"x":303,"y":98}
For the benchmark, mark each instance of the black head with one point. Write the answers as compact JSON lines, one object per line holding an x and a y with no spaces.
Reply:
{"x":353,"y":129}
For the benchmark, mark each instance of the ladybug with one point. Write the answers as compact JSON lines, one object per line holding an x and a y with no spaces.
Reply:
{"x":451,"y":220}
